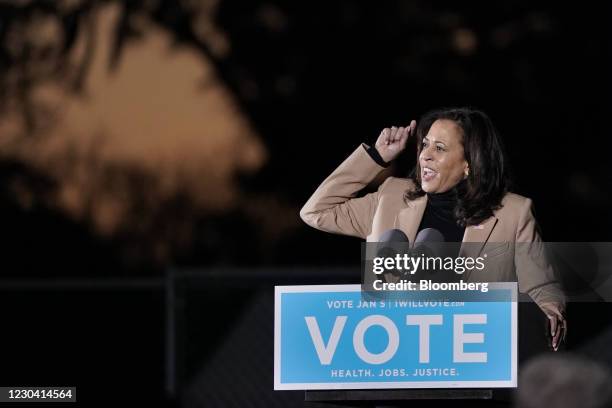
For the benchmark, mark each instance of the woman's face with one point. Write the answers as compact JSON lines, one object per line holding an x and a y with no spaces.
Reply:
{"x":442,"y":159}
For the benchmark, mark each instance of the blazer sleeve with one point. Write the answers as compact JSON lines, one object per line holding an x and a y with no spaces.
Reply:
{"x":536,"y":275}
{"x":334,"y":208}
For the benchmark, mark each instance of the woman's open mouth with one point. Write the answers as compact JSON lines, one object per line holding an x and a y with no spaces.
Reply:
{"x":427,"y":173}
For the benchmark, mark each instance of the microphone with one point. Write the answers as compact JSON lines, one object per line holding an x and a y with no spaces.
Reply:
{"x":428,"y":235}
{"x":394,"y":235}
{"x":426,"y":242}
{"x":389,"y":242}
{"x":429,"y":243}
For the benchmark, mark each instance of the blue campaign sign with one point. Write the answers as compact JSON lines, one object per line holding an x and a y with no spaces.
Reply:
{"x":328,"y":337}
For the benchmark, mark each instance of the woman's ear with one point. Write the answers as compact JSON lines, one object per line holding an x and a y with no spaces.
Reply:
{"x":466,"y":170}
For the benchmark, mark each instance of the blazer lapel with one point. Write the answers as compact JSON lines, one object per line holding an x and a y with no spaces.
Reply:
{"x":409,"y":218}
{"x":480,"y":232}
{"x":475,"y":238}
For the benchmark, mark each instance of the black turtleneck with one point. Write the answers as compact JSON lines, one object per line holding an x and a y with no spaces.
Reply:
{"x":439,"y":214}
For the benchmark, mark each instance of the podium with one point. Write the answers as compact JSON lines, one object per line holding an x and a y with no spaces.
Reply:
{"x":532,"y":342}
{"x":347,"y":351}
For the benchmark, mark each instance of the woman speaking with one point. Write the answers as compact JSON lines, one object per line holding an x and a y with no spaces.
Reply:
{"x":459,"y":187}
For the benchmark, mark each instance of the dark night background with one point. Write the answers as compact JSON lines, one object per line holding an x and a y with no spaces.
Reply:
{"x":171,"y":303}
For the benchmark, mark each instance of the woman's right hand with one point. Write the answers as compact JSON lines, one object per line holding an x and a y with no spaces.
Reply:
{"x":392,"y":141}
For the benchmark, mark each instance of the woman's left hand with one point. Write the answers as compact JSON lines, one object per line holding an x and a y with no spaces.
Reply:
{"x":557,"y":322}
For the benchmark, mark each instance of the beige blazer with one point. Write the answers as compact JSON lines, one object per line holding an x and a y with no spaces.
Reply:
{"x":334,"y":208}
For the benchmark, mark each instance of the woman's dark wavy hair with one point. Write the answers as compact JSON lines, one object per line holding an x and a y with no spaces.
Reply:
{"x":488,"y":179}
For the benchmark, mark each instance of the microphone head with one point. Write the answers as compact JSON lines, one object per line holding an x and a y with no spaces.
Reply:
{"x":394,"y":235}
{"x":429,"y":235}
{"x":390,"y":243}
